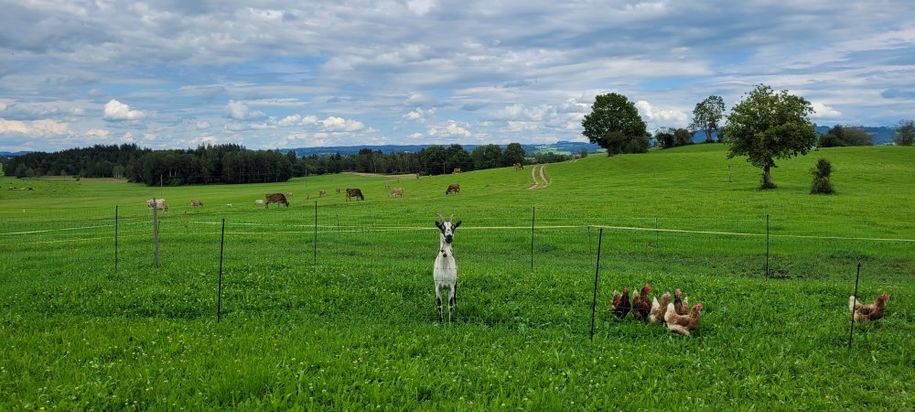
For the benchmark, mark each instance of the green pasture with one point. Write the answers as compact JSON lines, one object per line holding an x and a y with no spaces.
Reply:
{"x":349,"y":323}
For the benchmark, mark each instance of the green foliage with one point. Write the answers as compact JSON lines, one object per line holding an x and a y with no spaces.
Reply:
{"x":905,"y":133}
{"x":614,"y":124}
{"x":486,"y":156}
{"x":514,"y":153}
{"x":769,"y":125}
{"x":707,"y":116}
{"x":821,"y":174}
{"x":667,"y":138}
{"x":840,"y":135}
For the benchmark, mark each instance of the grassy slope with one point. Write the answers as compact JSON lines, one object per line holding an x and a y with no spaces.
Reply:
{"x":358,"y":328}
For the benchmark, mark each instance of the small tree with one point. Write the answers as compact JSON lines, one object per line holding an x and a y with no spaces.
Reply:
{"x":514,"y":153}
{"x":682,"y":137}
{"x":905,"y":133}
{"x":840,"y":135}
{"x":664,"y":138}
{"x":614,"y":124}
{"x":769,"y":125}
{"x":707,"y":115}
{"x":821,"y":173}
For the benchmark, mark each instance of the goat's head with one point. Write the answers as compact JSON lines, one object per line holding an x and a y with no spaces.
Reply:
{"x":447,"y":227}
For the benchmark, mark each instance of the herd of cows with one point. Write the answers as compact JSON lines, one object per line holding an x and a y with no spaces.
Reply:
{"x":283,"y":198}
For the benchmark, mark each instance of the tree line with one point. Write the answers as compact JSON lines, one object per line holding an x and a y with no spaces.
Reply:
{"x":231,"y":163}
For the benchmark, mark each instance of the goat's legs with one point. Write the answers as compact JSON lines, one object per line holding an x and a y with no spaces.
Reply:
{"x":452,"y":300}
{"x":438,"y":303}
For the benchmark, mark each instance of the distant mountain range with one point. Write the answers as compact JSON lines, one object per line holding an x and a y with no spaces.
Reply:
{"x":12,"y":154}
{"x":560,"y":147}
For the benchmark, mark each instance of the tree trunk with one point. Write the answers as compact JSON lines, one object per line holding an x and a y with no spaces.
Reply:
{"x":708,"y":136}
{"x":767,"y":178}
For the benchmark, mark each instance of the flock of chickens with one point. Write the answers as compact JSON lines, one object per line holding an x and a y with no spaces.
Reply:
{"x":683,"y":319}
{"x":677,"y":315}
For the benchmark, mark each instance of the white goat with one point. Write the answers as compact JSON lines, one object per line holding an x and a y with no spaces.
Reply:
{"x":445,"y":270}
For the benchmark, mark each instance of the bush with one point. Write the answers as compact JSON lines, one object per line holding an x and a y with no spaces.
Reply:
{"x":821,"y":173}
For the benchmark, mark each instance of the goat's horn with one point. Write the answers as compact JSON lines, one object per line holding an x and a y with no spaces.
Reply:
{"x":451,"y":218}
{"x":440,"y":217}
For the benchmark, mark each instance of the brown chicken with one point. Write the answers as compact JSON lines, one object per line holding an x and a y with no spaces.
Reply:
{"x":871,"y":311}
{"x":641,"y":306}
{"x":681,"y":305}
{"x":683,"y":324}
{"x":621,"y":304}
{"x":659,"y":309}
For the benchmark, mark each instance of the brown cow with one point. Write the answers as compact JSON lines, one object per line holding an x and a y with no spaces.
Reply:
{"x":275,"y":198}
{"x":351,"y":193}
{"x":453,"y":188}
{"x":196,"y":203}
{"x":397,"y":191}
{"x":159,"y":204}
{"x":322,"y":193}
{"x":456,"y":170}
{"x":519,"y":166}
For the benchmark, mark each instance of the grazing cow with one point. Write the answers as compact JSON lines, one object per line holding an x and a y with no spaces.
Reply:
{"x":275,"y":198}
{"x":258,"y":202}
{"x":397,"y":191}
{"x":456,"y":170}
{"x":157,"y":203}
{"x":351,"y":193}
{"x":322,"y":193}
{"x":519,"y":166}
{"x":228,"y":205}
{"x":196,"y":203}
{"x":387,"y":186}
{"x":453,"y":188}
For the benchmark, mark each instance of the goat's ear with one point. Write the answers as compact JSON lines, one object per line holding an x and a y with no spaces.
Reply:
{"x":456,"y":225}
{"x":437,"y":224}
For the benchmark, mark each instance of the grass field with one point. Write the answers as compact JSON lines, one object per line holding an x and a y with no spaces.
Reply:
{"x":356,"y":328}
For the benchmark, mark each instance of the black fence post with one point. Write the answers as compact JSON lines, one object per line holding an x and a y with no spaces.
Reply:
{"x":851,"y":329}
{"x":222,"y":242}
{"x":315,"y":239}
{"x":600,"y":238}
{"x":767,"y":245}
{"x":533,"y":218}
{"x":115,"y":239}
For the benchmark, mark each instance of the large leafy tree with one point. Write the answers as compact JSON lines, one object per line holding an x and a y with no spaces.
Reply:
{"x":769,"y":125}
{"x":905,"y":133}
{"x":707,"y":116}
{"x":614,"y":124}
{"x":514,"y":153}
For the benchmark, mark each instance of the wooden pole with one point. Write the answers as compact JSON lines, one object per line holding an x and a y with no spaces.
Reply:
{"x":657,"y":233}
{"x":600,"y":238}
{"x":851,"y":329}
{"x":533,"y":217}
{"x":222,"y":242}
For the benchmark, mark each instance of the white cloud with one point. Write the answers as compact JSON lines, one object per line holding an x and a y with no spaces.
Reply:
{"x":419,"y":114}
{"x":203,"y":124}
{"x":238,"y":110}
{"x":662,"y":117}
{"x":97,"y":133}
{"x":298,"y":120}
{"x":450,"y":129}
{"x":115,"y":111}
{"x":339,"y":124}
{"x":45,"y":127}
{"x":821,"y":110}
{"x":420,"y":7}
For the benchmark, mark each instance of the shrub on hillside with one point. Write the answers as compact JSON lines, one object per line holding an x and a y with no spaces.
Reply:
{"x":821,"y":173}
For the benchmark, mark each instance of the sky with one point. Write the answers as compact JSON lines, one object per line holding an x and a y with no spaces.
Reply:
{"x":271,"y":74}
